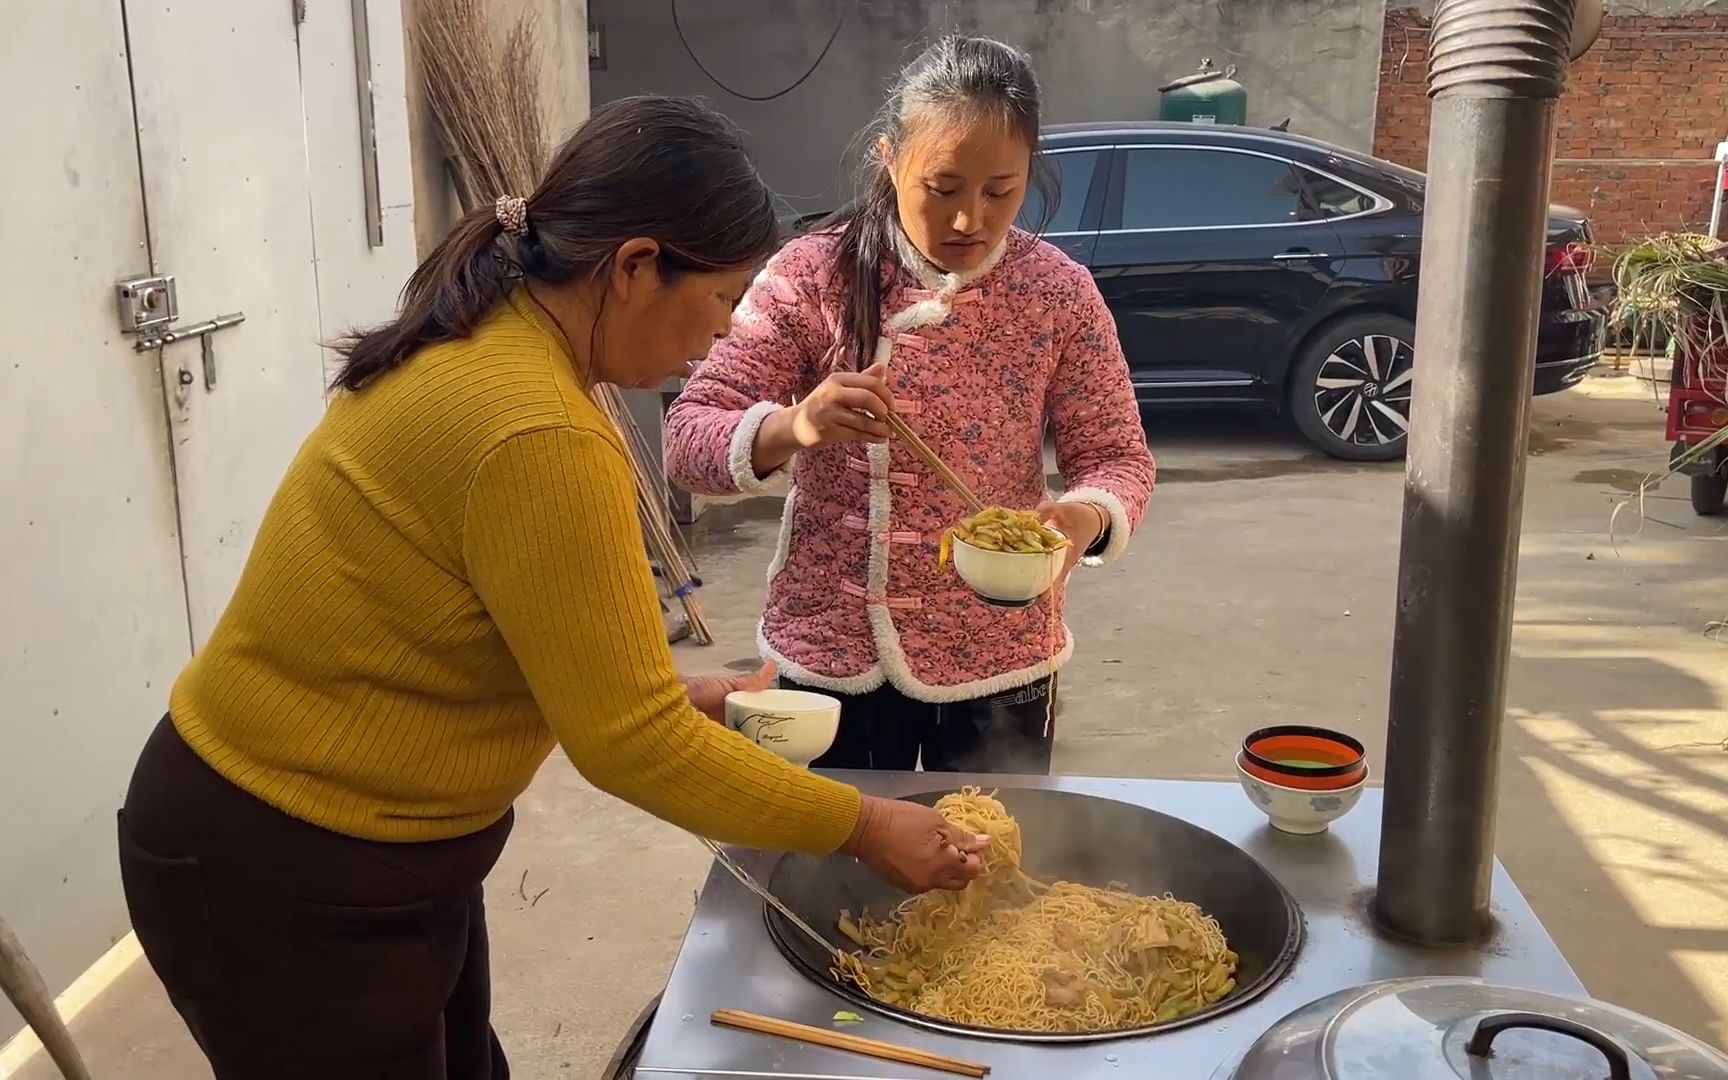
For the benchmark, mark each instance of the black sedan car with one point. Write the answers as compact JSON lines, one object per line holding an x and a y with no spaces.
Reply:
{"x":1258,"y":266}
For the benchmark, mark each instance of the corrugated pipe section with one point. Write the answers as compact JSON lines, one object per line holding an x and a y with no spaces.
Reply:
{"x":1499,"y":48}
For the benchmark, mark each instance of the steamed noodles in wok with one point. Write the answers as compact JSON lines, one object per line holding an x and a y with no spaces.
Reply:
{"x":1015,"y":953}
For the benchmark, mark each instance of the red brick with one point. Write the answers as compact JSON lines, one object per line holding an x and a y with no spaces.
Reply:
{"x":1641,"y":115}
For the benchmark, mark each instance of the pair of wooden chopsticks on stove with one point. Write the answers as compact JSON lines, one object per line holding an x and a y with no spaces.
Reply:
{"x":857,"y":1044}
{"x":836,"y":1040}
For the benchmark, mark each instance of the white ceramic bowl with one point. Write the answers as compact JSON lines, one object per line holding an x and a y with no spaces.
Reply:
{"x":1013,"y":577}
{"x":796,"y":724}
{"x":1298,"y":810}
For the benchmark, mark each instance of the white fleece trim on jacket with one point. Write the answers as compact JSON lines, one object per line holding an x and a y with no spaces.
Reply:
{"x":1121,"y":528}
{"x":891,"y":667}
{"x":880,"y":515}
{"x":850,"y":685}
{"x":743,"y":448}
{"x":931,"y":276}
{"x":783,"y":543}
{"x":892,"y":659}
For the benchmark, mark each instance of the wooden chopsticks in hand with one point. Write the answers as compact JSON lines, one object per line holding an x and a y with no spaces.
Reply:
{"x":933,"y":461}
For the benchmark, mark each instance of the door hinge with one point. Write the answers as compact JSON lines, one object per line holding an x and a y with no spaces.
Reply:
{"x":597,"y":47}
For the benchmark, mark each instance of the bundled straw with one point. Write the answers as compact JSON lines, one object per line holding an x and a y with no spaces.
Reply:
{"x":485,"y":98}
{"x":665,"y":542}
{"x":485,"y":95}
{"x":1675,"y":285}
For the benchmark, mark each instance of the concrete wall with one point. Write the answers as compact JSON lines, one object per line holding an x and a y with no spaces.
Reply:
{"x":563,"y":32}
{"x":1311,"y":60}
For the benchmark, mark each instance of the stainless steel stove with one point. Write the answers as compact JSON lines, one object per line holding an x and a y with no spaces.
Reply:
{"x":729,"y":961}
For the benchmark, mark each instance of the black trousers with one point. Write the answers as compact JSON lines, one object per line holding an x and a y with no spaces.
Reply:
{"x":293,"y":952}
{"x":1010,"y":732}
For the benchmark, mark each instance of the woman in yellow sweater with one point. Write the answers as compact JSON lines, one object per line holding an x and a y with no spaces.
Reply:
{"x":449,"y":581}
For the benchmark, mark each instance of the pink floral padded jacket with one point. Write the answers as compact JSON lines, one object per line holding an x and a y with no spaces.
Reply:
{"x":978,"y":364}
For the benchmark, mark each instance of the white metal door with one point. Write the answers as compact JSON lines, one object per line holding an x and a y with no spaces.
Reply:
{"x":222,"y":147}
{"x":158,"y":139}
{"x":92,"y":612}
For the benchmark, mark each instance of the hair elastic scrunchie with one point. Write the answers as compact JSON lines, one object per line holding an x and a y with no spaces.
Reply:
{"x":512,"y":213}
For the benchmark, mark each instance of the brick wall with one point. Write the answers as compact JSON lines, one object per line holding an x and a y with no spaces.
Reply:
{"x":1640,"y":120}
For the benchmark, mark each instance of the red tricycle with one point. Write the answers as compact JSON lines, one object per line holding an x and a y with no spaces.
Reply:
{"x":1698,"y":420}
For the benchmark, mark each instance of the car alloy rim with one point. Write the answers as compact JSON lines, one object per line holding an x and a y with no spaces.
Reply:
{"x":1362,"y":390}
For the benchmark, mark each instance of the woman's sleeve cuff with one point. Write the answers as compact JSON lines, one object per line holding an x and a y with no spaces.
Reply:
{"x":742,"y":452}
{"x":1120,"y":527}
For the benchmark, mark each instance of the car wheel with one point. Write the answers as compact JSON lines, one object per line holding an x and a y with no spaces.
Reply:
{"x":1350,"y":388}
{"x":1709,"y":493}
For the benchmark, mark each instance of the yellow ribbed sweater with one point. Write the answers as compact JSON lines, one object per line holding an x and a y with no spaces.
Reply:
{"x":451,"y":578}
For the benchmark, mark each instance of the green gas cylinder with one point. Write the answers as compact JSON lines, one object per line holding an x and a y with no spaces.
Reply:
{"x":1209,"y":96}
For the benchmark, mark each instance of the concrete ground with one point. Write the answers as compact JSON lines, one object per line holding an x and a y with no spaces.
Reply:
{"x":1260,"y":591}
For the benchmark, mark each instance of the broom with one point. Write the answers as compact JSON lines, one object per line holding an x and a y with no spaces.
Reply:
{"x":485,"y":96}
{"x":23,"y":987}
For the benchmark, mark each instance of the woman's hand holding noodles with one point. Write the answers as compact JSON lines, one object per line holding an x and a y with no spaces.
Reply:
{"x":914,"y":847}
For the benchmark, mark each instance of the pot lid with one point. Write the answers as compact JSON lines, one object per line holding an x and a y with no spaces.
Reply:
{"x":1446,"y":1028}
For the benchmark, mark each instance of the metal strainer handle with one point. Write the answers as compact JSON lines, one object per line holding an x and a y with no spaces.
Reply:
{"x":749,"y":882}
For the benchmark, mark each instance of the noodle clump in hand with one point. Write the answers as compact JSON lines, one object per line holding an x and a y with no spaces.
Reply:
{"x":1015,"y":953}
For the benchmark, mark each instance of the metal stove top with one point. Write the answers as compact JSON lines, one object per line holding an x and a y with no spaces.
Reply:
{"x":728,"y":960}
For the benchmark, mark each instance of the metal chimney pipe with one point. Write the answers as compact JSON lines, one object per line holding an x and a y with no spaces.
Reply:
{"x":1495,"y":69}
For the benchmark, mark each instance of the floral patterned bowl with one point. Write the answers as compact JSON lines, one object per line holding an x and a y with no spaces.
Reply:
{"x":1297,"y":810}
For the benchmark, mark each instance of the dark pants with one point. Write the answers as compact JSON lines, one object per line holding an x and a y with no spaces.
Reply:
{"x":293,"y":952}
{"x":1010,"y":732}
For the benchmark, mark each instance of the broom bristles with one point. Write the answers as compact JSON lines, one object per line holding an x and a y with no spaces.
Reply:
{"x":485,"y":95}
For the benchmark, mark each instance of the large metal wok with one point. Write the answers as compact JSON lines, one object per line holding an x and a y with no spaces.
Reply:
{"x":1080,"y":838}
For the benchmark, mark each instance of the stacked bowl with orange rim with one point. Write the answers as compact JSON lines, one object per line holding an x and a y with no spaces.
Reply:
{"x":1303,"y":778}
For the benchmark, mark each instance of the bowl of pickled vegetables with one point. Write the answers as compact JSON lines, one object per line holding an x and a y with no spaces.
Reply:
{"x":1008,"y":557}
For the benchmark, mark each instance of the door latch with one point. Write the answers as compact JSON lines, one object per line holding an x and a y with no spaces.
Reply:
{"x":149,"y":305}
{"x":156,"y":338}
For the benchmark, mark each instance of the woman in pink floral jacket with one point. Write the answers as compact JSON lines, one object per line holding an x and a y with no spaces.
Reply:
{"x":981,"y":336}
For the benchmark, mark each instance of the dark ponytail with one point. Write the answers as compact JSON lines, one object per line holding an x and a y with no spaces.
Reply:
{"x":968,"y":77}
{"x":669,"y":169}
{"x":445,"y":299}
